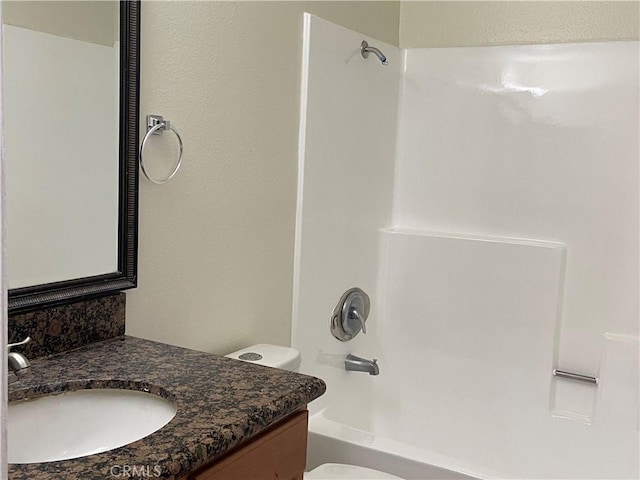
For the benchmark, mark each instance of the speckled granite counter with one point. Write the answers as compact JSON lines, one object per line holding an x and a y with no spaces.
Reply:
{"x":221,"y":403}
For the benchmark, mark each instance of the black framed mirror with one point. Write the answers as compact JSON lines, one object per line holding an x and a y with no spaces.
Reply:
{"x":125,"y":51}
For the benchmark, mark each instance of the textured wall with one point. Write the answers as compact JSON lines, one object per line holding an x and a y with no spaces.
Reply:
{"x":216,"y":244}
{"x":453,"y":24}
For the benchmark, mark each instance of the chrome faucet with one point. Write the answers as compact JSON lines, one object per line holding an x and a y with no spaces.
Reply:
{"x":17,"y":362}
{"x":357,"y":364}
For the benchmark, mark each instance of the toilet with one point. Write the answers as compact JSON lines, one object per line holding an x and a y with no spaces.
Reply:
{"x":276,"y":356}
{"x":287,"y":358}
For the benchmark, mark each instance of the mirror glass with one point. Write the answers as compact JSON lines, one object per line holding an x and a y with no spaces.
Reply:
{"x":67,"y":147}
{"x":61,"y":90}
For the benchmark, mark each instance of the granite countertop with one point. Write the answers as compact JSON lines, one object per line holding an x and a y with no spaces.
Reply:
{"x":221,"y":403}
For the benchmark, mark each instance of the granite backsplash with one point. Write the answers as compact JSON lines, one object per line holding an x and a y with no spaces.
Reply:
{"x":67,"y":327}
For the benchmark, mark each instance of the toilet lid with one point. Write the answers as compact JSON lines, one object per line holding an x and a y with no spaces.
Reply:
{"x":340,"y":471}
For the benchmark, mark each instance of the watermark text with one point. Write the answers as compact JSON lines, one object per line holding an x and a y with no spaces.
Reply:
{"x":135,"y":471}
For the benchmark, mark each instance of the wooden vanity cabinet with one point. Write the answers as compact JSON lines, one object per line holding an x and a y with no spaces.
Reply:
{"x":280,"y":453}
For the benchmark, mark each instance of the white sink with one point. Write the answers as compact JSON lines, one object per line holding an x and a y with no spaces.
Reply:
{"x":82,"y":422}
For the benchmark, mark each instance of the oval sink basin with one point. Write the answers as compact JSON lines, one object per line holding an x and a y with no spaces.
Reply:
{"x":82,"y":422}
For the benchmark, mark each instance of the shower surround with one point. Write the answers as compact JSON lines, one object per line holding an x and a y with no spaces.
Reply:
{"x":487,"y":201}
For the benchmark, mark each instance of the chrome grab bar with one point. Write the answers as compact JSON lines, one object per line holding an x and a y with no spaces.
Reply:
{"x":575,"y":376}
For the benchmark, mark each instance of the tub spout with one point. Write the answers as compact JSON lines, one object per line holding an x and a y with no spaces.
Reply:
{"x":357,"y":364}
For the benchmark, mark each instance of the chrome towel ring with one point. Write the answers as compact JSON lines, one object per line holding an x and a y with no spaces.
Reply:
{"x":155,"y":126}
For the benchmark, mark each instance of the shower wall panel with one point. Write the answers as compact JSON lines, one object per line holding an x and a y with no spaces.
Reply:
{"x":347,"y":149}
{"x":539,"y":142}
{"x":533,"y":142}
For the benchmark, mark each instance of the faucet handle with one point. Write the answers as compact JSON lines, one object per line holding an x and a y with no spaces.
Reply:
{"x":17,"y":344}
{"x":356,"y":314}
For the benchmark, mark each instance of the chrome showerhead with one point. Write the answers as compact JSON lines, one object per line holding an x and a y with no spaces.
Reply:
{"x":365,"y":49}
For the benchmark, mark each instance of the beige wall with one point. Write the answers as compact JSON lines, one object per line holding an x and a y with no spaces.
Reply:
{"x":454,"y":24}
{"x":90,"y":21}
{"x":216,"y":244}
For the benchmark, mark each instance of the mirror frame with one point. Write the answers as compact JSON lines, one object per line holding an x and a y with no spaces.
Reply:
{"x":125,"y":277}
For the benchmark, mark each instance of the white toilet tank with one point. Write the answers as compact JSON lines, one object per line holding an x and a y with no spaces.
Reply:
{"x":276,"y":356}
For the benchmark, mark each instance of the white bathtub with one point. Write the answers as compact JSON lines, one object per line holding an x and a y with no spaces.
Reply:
{"x":334,"y":442}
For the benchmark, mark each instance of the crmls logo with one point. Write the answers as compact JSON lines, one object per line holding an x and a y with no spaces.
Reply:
{"x":135,"y":471}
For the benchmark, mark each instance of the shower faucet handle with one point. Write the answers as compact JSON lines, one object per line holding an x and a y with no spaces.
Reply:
{"x":350,"y":314}
{"x":354,"y":313}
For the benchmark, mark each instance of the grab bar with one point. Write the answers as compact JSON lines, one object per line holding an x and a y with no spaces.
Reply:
{"x":575,"y":376}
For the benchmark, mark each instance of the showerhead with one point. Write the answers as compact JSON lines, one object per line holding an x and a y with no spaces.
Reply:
{"x":365,"y":49}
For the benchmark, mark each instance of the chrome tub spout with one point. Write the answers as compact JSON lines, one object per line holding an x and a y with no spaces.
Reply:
{"x":357,"y":364}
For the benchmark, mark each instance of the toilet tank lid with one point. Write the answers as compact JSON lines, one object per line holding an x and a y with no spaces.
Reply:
{"x":277,"y":356}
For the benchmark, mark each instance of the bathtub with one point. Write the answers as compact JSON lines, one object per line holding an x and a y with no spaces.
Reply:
{"x":331,"y":441}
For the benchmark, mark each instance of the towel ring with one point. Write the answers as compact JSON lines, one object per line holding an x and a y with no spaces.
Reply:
{"x":155,"y":126}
